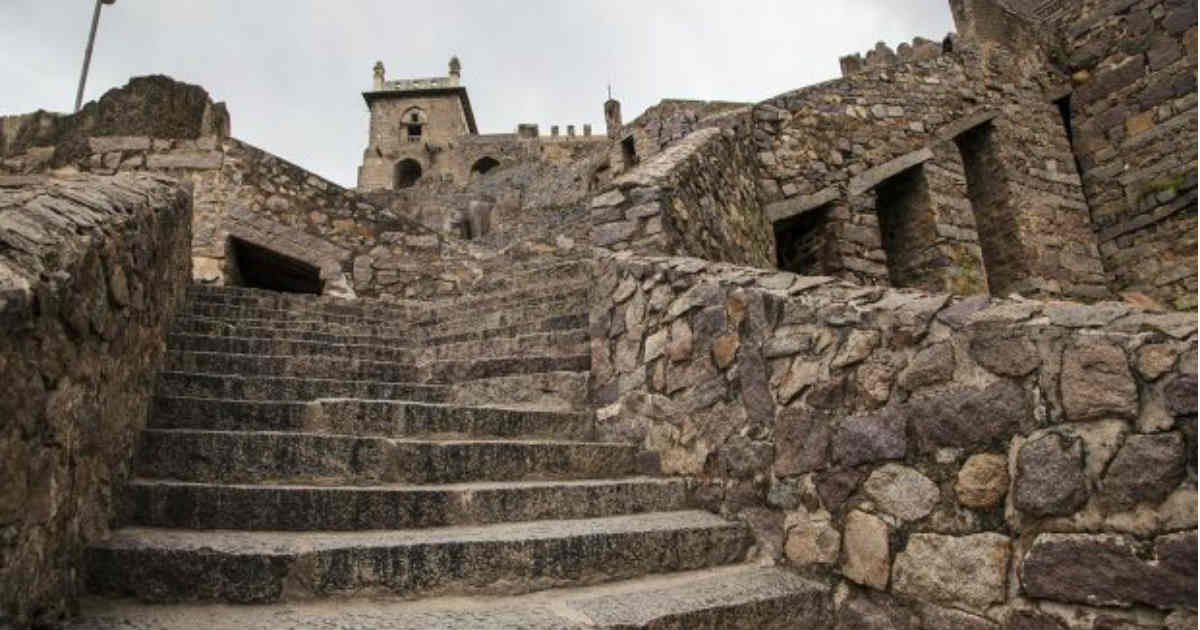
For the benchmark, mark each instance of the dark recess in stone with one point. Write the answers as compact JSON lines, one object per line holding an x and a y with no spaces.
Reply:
{"x":262,"y":268}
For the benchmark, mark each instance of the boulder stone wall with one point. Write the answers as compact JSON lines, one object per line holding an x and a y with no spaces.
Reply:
{"x":964,"y":461}
{"x":92,"y":270}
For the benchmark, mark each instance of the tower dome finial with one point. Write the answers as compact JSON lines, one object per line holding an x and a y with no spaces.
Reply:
{"x":455,"y":66}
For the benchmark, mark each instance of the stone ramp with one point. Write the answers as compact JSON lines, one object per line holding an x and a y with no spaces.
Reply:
{"x":737,"y":596}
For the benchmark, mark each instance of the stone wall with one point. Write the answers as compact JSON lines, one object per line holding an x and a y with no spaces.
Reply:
{"x":697,"y":197}
{"x":972,"y":463}
{"x":1133,"y":113}
{"x":92,"y":270}
{"x":839,"y":141}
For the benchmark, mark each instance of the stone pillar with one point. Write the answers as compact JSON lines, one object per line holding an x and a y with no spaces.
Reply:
{"x":612,"y":117}
{"x":527,"y":130}
{"x":554,"y":130}
{"x":571,"y":131}
{"x":379,"y":76}
{"x":587,"y":131}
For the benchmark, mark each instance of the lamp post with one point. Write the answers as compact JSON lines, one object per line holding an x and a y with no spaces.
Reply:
{"x":87,"y":53}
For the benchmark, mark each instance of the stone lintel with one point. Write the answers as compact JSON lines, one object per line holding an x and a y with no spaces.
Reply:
{"x":963,"y":125}
{"x":871,"y":178}
{"x":795,"y":206}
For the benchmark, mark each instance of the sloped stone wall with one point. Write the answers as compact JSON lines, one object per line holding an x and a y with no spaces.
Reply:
{"x":697,"y":197}
{"x":973,"y":462}
{"x":92,"y":270}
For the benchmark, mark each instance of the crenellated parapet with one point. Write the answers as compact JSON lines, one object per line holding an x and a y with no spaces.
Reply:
{"x":882,"y":55}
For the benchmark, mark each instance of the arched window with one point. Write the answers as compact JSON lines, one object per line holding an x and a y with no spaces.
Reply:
{"x":413,"y":123}
{"x":484,"y":164}
{"x":408,"y":171}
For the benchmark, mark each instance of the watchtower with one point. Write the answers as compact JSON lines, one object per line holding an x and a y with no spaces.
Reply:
{"x":412,"y":120}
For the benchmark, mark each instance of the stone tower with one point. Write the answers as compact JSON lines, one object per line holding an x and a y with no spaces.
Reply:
{"x":412,"y":120}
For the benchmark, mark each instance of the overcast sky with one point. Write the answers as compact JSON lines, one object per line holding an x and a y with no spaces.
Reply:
{"x":291,"y":71}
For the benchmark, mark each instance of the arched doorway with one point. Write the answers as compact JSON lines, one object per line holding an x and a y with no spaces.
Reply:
{"x":484,"y":164}
{"x":408,"y":171}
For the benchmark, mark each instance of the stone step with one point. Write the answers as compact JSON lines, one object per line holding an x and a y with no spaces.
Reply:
{"x":502,"y":318}
{"x":540,"y":292}
{"x":384,"y":418}
{"x":291,"y":347}
{"x":237,"y":387}
{"x":307,"y":366}
{"x":514,"y":276}
{"x":289,"y":457}
{"x":167,"y":565}
{"x":543,"y":390}
{"x":262,"y":298}
{"x":337,"y":334}
{"x":548,"y":303}
{"x":459,"y":370}
{"x":555,"y":343}
{"x":736,"y":596}
{"x":156,"y":503}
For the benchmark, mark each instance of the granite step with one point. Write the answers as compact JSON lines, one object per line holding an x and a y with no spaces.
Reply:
{"x":307,"y":366}
{"x":157,"y":503}
{"x":459,"y":370}
{"x":169,"y":565}
{"x":238,"y":387}
{"x":501,"y":318}
{"x":288,"y":457}
{"x":292,"y":347}
{"x":540,"y":292}
{"x":435,"y":313}
{"x":555,"y":343}
{"x":514,"y":276}
{"x":382,"y":418}
{"x":337,"y":334}
{"x":561,"y":390}
{"x":734,"y":596}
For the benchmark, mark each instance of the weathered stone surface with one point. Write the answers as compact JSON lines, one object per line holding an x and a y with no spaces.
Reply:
{"x":867,"y":609}
{"x":743,"y":458}
{"x":1008,"y":353}
{"x":1103,"y":570}
{"x":1096,"y":382}
{"x":1180,"y":394}
{"x":868,"y":438}
{"x":865,"y":557}
{"x":902,"y":492}
{"x":965,"y":417}
{"x":857,"y":347}
{"x":1146,"y":469}
{"x":811,"y":538}
{"x":982,"y":481}
{"x":961,"y":571}
{"x":801,"y":441}
{"x":930,"y":366}
{"x":1049,"y":479}
{"x":836,"y":486}
{"x":1153,"y":360}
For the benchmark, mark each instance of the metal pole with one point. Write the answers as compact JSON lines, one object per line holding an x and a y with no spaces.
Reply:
{"x":87,"y":55}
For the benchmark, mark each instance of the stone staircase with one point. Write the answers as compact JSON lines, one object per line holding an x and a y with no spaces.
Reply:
{"x":371,"y":464}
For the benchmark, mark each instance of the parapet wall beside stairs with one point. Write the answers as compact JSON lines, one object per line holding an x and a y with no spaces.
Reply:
{"x":92,"y":270}
{"x":912,"y":446}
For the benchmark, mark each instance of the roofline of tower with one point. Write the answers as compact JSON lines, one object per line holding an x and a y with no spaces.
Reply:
{"x":460,"y":91}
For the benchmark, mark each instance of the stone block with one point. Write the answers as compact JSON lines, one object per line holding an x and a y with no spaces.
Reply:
{"x":868,"y":438}
{"x":866,"y":557}
{"x":1096,"y":382}
{"x":902,"y":492}
{"x":106,"y":144}
{"x":1049,"y":478}
{"x":964,"y":417}
{"x":801,"y":441}
{"x":198,"y":160}
{"x":1145,"y":470}
{"x":1103,"y":570}
{"x":960,"y":571}
{"x":982,"y":481}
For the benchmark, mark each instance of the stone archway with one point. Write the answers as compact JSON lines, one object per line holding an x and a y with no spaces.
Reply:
{"x":484,"y":164}
{"x":408,"y":171}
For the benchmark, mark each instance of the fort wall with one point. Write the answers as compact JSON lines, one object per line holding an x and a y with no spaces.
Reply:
{"x":957,"y":463}
{"x":92,"y":271}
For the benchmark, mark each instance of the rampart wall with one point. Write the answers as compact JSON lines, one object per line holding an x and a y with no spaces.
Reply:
{"x":946,"y":463}
{"x":92,"y":271}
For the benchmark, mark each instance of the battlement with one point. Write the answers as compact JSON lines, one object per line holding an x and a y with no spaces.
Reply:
{"x":882,"y":55}
{"x":428,"y":83}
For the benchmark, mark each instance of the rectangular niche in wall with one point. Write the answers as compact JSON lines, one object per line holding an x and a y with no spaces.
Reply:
{"x":908,"y":229}
{"x":804,"y":244}
{"x":995,"y":221}
{"x":260,"y":268}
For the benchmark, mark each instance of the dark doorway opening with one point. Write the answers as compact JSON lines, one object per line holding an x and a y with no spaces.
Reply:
{"x":261,"y":268}
{"x":484,"y":164}
{"x":1064,"y":113}
{"x":629,"y":152}
{"x":803,"y":243}
{"x":995,"y":220}
{"x":407,"y":173}
{"x":908,"y":231}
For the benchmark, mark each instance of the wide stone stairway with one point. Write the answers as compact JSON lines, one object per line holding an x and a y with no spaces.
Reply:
{"x":365,"y":464}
